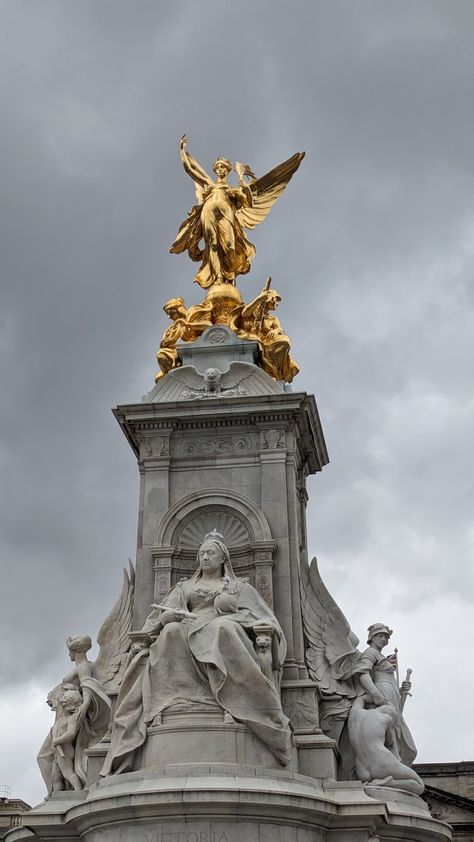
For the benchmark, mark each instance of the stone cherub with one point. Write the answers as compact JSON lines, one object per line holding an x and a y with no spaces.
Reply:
{"x":81,"y":701}
{"x":223,"y":212}
{"x":63,"y":740}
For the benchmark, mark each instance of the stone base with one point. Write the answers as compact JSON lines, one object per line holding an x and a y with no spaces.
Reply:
{"x":317,"y":756}
{"x":221,"y":805}
{"x":203,"y":737}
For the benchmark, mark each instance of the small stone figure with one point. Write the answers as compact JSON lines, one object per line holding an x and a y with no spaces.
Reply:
{"x":263,"y":648}
{"x":212,"y":381}
{"x":63,"y":740}
{"x":369,"y":731}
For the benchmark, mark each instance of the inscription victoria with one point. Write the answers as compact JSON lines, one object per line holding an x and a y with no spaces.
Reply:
{"x":187,"y":836}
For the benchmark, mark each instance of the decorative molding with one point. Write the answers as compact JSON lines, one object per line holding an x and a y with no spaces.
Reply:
{"x":212,"y":446}
{"x":272,"y":439}
{"x":154,"y":446}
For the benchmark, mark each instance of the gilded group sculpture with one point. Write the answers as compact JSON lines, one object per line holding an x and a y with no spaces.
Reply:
{"x":214,"y":234}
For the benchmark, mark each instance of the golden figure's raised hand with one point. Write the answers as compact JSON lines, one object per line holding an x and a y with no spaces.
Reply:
{"x":243,"y":170}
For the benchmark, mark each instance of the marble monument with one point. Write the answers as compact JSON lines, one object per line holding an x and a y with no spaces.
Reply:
{"x":229,"y":699}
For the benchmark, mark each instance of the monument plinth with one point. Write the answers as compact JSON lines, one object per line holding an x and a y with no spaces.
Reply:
{"x":229,"y":700}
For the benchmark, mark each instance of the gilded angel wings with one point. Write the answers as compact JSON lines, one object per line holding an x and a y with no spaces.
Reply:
{"x":265,"y":190}
{"x":213,"y":231}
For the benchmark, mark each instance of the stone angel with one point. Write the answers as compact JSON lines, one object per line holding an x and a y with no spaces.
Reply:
{"x":81,"y":701}
{"x":223,"y":212}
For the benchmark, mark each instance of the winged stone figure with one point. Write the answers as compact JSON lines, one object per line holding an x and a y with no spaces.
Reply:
{"x":223,"y":212}
{"x":331,"y":650}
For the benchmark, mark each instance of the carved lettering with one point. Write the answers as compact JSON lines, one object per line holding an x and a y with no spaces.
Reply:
{"x":187,"y":836}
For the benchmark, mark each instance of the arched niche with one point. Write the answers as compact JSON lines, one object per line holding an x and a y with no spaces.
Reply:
{"x":243,"y":525}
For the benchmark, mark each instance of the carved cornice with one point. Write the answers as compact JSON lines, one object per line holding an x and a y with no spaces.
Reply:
{"x":288,"y":410}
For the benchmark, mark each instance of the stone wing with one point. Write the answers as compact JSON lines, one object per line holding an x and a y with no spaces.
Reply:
{"x":266,"y":190}
{"x":331,"y":645}
{"x":113,"y":637}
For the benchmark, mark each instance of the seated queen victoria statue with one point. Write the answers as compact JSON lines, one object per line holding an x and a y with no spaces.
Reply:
{"x":202,"y":653}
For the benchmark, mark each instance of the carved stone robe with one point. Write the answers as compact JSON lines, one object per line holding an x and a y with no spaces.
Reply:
{"x":204,"y":660}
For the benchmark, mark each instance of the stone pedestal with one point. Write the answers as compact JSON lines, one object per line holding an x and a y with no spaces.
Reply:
{"x":237,"y":463}
{"x":224,"y":805}
{"x":201,"y":737}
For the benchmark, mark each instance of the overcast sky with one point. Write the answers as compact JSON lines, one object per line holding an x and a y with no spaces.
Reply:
{"x":371,"y":248}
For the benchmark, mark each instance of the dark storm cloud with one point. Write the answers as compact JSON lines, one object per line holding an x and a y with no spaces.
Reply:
{"x":372,"y":250}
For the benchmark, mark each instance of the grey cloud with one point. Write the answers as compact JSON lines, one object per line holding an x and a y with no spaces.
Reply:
{"x":371,"y":248}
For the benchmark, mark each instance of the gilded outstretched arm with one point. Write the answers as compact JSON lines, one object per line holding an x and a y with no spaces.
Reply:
{"x":191,"y":166}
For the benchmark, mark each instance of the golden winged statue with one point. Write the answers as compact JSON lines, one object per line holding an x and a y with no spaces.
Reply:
{"x":223,"y":212}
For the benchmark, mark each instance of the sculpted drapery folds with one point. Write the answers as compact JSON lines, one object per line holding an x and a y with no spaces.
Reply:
{"x":203,"y":652}
{"x":376,"y":674}
{"x":256,"y":321}
{"x":187,"y":325}
{"x":223,"y":212}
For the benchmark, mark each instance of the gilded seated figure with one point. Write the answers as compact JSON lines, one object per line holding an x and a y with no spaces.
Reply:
{"x":256,"y":321}
{"x":202,"y":652}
